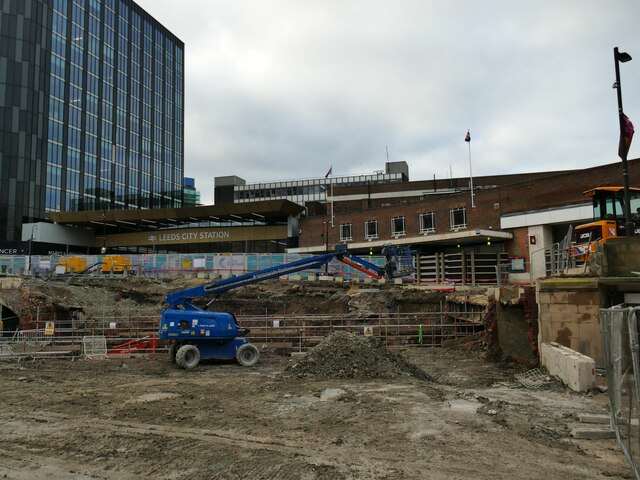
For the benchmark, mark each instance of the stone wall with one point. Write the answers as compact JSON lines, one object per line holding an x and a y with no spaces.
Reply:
{"x":620,"y":257}
{"x":569,"y":314}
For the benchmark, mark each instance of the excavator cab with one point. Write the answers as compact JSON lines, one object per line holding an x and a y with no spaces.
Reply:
{"x":608,"y":219}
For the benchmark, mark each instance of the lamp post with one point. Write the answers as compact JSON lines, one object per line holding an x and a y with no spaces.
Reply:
{"x":103,"y":250}
{"x":325,"y":234}
{"x":622,"y":57}
{"x":34,"y":229}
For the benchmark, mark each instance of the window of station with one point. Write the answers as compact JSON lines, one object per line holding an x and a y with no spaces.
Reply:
{"x":371,"y":229}
{"x":458,"y":217}
{"x":427,"y":222}
{"x":345,"y":232}
{"x":397,"y":226}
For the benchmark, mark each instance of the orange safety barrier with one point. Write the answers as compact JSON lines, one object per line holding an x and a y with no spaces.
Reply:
{"x":139,"y":345}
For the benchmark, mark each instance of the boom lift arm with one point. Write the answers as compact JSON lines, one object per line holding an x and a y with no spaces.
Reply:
{"x":196,"y":333}
{"x":395,"y":266}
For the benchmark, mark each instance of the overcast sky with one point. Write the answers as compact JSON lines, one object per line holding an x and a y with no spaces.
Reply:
{"x":284,"y":89}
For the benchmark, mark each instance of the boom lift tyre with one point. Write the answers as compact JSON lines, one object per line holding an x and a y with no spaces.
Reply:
{"x":188,"y":356}
{"x":247,"y":355}
{"x":173,"y":349}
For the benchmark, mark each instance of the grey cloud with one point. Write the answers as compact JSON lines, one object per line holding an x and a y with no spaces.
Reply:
{"x":283,"y":89}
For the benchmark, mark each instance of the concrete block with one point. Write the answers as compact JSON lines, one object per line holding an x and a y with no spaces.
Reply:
{"x":546,"y":332}
{"x":593,"y":418}
{"x":10,"y":283}
{"x":295,"y":277}
{"x":543,"y":308}
{"x":338,"y":279}
{"x":382,"y":281}
{"x":202,"y":274}
{"x":592,"y":310}
{"x":592,"y":433}
{"x":575,"y":370}
{"x":298,"y":355}
{"x":311,"y":277}
{"x":553,"y":363}
{"x":326,"y":278}
{"x":368,"y":280}
{"x":560,"y":297}
{"x":397,"y":281}
{"x":583,"y":298}
{"x":565,"y":309}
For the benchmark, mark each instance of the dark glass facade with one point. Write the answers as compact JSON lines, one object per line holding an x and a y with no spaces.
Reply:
{"x":92,"y":109}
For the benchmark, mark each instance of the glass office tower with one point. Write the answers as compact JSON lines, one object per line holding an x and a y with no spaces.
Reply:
{"x":91,"y":109}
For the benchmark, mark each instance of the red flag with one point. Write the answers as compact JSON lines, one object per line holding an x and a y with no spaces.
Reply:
{"x":468,"y":137}
{"x":626,"y":135}
{"x":329,"y":172}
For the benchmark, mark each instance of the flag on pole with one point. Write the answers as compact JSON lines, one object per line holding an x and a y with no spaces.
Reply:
{"x":329,"y":172}
{"x":625,"y":136}
{"x":467,"y":138}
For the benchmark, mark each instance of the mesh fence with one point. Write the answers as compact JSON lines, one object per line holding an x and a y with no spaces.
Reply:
{"x":620,"y":344}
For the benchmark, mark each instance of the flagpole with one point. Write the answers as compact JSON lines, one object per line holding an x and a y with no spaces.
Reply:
{"x":473,"y":205}
{"x":331,"y":182}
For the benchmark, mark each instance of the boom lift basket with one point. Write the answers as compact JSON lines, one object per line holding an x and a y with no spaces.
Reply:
{"x":399,"y":261}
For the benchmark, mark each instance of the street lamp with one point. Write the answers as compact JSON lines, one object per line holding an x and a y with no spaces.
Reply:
{"x":325,"y":234}
{"x":34,"y":229}
{"x":622,"y":57}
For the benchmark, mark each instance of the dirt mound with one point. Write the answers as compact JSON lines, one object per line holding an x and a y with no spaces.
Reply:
{"x":346,"y":355}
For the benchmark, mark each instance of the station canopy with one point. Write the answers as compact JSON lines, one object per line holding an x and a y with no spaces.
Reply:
{"x":266,"y":211}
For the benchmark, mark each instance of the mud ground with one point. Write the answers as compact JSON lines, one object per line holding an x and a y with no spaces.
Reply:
{"x":132,"y":418}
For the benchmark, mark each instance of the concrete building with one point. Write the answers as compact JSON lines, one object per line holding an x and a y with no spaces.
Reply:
{"x":233,"y":189}
{"x":191,"y":195}
{"x":92,"y":109}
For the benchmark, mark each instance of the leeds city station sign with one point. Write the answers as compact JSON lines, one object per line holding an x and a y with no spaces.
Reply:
{"x":198,"y":235}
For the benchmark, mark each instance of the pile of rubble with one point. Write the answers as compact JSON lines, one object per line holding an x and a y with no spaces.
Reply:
{"x":346,"y":355}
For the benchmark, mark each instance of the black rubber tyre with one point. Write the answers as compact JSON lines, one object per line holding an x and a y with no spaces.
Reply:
{"x":173,"y":349}
{"x":188,"y":356}
{"x":247,"y":355}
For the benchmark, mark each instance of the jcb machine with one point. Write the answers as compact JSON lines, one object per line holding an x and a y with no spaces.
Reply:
{"x":73,"y":264}
{"x":196,"y":333}
{"x":108,"y":264}
{"x":115,"y":264}
{"x":608,"y":219}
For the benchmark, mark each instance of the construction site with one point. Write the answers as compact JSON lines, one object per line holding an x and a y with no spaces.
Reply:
{"x":355,"y":380}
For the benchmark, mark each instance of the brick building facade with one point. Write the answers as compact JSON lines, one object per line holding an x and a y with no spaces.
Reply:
{"x":543,"y":206}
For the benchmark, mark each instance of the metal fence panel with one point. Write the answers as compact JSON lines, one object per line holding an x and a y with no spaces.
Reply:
{"x":619,"y":327}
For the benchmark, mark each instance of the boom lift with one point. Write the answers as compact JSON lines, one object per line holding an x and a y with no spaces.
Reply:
{"x":196,"y":333}
{"x":608,"y":219}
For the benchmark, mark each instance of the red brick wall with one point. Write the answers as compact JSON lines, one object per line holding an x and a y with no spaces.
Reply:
{"x":535,"y":193}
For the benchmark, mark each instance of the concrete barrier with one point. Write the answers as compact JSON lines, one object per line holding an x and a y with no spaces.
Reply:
{"x":576,"y":370}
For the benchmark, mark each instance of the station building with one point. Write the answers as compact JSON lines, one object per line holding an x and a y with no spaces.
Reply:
{"x":509,"y":218}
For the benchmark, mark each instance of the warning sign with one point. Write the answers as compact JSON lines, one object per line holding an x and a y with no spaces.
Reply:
{"x":48,"y":328}
{"x":368,"y":331}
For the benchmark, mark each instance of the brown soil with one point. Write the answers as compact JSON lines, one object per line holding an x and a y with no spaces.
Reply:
{"x":136,"y":418}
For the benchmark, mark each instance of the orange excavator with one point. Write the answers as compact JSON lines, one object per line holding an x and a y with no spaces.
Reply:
{"x":608,"y":219}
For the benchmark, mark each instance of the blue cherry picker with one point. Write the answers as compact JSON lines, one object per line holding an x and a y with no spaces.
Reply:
{"x":198,"y":334}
